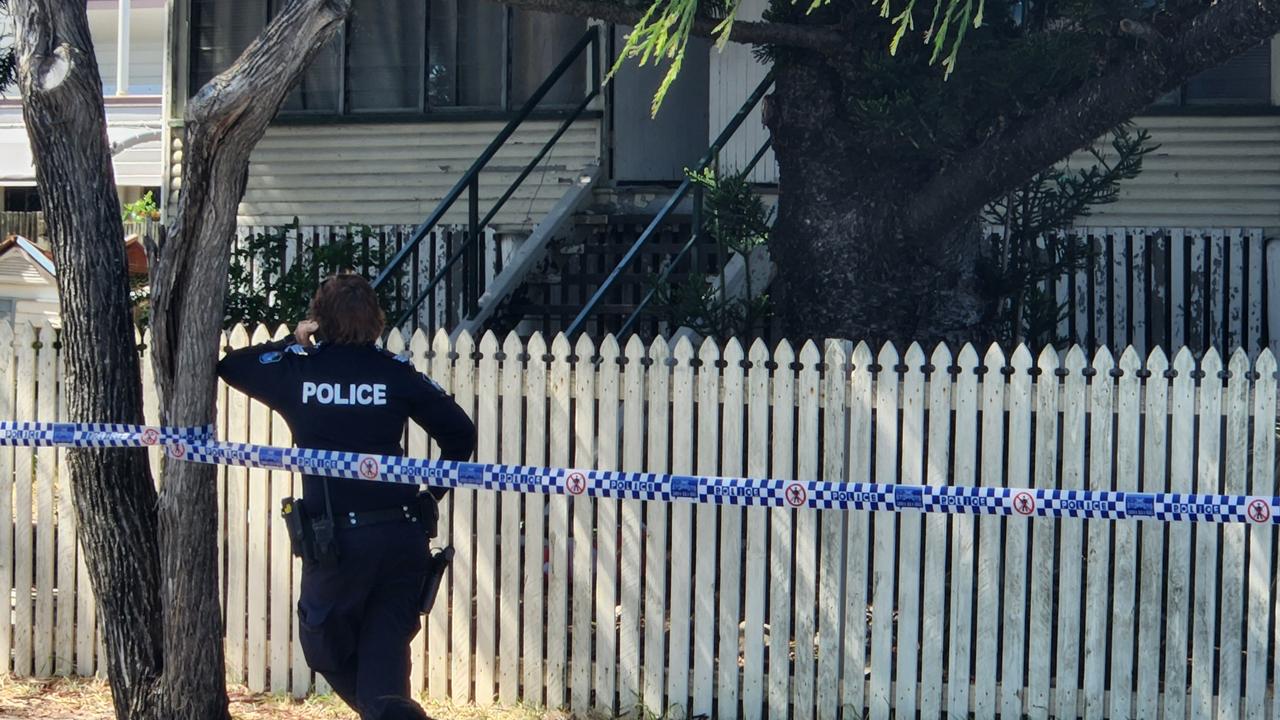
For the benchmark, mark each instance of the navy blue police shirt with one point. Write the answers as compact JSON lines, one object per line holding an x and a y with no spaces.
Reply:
{"x":350,"y":398}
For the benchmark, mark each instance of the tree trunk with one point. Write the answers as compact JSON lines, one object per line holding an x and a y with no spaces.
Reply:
{"x":164,"y":637}
{"x":113,"y":493}
{"x":845,"y":268}
{"x":224,"y":121}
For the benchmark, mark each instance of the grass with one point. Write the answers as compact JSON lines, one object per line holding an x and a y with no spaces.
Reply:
{"x":78,"y":699}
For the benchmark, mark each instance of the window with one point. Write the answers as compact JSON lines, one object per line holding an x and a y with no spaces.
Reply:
{"x":405,"y":56}
{"x":21,"y":199}
{"x":220,"y":31}
{"x":7,"y":310}
{"x":1243,"y":80}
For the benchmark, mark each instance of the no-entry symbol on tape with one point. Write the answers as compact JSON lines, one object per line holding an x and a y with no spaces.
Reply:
{"x":1024,"y":504}
{"x":796,"y":495}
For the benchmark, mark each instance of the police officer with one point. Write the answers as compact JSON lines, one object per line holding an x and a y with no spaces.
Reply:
{"x":365,"y":555}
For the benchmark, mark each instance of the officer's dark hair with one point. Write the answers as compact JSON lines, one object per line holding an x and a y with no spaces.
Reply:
{"x":347,"y":311}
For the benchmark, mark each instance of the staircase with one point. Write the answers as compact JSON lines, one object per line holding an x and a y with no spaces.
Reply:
{"x":583,"y":268}
{"x":575,"y":267}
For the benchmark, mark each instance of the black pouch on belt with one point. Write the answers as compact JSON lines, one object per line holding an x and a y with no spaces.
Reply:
{"x":437,"y":565}
{"x":294,"y":513}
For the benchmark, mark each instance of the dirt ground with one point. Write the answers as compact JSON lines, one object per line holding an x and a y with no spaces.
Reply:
{"x":70,"y":699}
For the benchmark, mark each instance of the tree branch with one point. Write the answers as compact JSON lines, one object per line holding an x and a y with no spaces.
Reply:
{"x":823,"y":38}
{"x":1131,"y":83}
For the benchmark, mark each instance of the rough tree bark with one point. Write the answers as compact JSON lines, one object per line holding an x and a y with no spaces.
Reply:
{"x":224,"y":120}
{"x":847,"y":270}
{"x":112,"y":490}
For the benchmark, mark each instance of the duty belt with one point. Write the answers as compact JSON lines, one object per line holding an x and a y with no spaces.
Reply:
{"x":354,"y":519}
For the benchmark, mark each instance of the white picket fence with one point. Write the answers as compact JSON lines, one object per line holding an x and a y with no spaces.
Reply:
{"x":758,"y":612}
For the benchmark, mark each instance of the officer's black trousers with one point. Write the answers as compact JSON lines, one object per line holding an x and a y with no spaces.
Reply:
{"x":356,"y":619}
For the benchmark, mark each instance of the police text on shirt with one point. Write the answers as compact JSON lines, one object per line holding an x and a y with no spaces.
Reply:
{"x":344,"y":394}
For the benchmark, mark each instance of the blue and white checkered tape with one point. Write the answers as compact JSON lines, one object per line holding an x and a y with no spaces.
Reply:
{"x":198,"y":445}
{"x":35,"y":434}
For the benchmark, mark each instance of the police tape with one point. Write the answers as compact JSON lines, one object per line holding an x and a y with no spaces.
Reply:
{"x":198,"y":445}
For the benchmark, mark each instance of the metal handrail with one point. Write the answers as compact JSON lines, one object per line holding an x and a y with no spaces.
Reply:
{"x":684,"y":250}
{"x":681,"y":190}
{"x":470,"y":180}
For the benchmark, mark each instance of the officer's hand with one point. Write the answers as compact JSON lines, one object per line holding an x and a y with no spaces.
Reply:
{"x":303,"y":332}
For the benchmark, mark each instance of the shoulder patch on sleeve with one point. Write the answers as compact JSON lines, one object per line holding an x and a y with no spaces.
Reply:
{"x":432,"y":383}
{"x":272,"y":356}
{"x":401,"y":357}
{"x":296,"y":349}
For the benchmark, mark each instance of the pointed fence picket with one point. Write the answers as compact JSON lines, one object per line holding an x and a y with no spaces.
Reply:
{"x":680,"y":587}
{"x":780,"y":538}
{"x":1014,"y":603}
{"x":416,"y":445}
{"x":732,"y":545}
{"x":605,"y":601}
{"x":23,"y":536}
{"x":534,"y":573}
{"x":465,"y":671}
{"x":884,"y":553}
{"x":1070,"y":616}
{"x":857,"y":530}
{"x":755,"y":612}
{"x":804,"y":601}
{"x":512,"y":441}
{"x":486,"y":528}
{"x":583,"y":539}
{"x":630,"y":573}
{"x":961,"y":560}
{"x":1124,"y":579}
{"x":438,"y":622}
{"x":45,"y":488}
{"x":1097,"y":613}
{"x":755,"y":600}
{"x":653,"y":692}
{"x":831,"y":560}
{"x":704,"y":603}
{"x":933,"y":619}
{"x":557,"y":595}
{"x":991,"y":462}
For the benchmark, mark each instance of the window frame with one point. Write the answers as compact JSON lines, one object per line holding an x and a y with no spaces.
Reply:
{"x":425,"y":112}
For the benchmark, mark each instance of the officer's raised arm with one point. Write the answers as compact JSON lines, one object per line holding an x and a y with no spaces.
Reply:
{"x":256,"y":370}
{"x":443,"y":419}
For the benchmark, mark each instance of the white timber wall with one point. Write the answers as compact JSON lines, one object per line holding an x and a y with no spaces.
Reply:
{"x":755,"y":612}
{"x":735,"y":73}
{"x":1211,"y":172}
{"x":381,"y":174}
